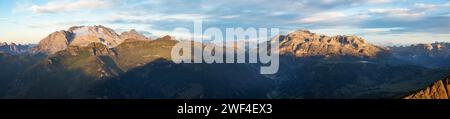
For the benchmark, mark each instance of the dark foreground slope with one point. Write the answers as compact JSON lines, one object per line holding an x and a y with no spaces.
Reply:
{"x":164,"y":79}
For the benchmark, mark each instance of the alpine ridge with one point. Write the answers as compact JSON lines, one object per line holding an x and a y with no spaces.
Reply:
{"x":14,"y":48}
{"x":83,"y":36}
{"x":303,"y":43}
{"x":434,"y":55}
{"x":133,"y":34}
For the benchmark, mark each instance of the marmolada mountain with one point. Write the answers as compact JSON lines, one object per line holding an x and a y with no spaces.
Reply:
{"x":95,"y":62}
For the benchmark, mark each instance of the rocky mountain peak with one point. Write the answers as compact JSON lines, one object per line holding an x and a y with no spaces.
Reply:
{"x":83,"y":36}
{"x":133,"y":31}
{"x":439,"y":90}
{"x":302,"y":32}
{"x":303,"y":43}
{"x":54,"y":42}
{"x":133,"y":34}
{"x":167,"y":37}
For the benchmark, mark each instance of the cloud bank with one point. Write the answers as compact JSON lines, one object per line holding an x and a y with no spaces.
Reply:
{"x":372,"y":19}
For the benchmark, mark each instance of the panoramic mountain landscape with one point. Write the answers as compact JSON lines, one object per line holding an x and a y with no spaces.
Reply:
{"x":321,"y":49}
{"x":96,"y":62}
{"x":225,"y":58}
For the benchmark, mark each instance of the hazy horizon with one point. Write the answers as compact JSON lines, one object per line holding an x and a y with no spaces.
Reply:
{"x":381,"y":22}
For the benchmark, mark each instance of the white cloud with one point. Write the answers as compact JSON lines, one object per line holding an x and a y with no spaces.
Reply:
{"x":385,"y":36}
{"x":332,"y":16}
{"x":323,"y":4}
{"x":425,"y":6}
{"x":278,"y":13}
{"x":393,"y":11}
{"x":64,"y":6}
{"x":445,"y":15}
{"x":407,"y":38}
{"x":190,"y":17}
{"x":229,"y":16}
{"x":156,"y":17}
{"x":327,"y":1}
{"x":324,"y":16}
{"x":62,"y":24}
{"x":354,"y":30}
{"x":379,"y":1}
{"x":396,"y":12}
{"x":373,"y":30}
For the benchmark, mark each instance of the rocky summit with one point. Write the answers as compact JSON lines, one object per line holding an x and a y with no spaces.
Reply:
{"x":133,"y":34}
{"x":439,"y":90}
{"x":83,"y":36}
{"x":303,"y":43}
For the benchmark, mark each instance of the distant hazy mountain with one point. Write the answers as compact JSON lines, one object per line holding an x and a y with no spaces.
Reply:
{"x":439,"y":90}
{"x":83,"y":36}
{"x":14,"y":48}
{"x":435,"y":55}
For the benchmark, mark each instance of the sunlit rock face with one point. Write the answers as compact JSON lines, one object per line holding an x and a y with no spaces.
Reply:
{"x":303,"y":43}
{"x":439,"y":90}
{"x":83,"y":36}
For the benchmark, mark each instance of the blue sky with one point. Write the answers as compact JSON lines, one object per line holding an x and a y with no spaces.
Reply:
{"x":384,"y":22}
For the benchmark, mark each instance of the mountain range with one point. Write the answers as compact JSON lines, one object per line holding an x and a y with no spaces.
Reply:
{"x":97,"y":62}
{"x":83,"y":36}
{"x":303,"y":43}
{"x":434,"y":55}
{"x":14,"y":48}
